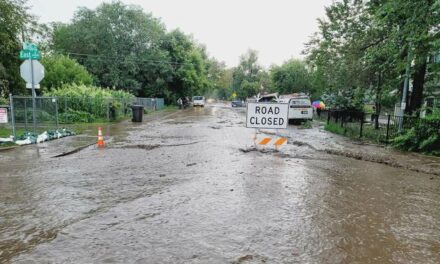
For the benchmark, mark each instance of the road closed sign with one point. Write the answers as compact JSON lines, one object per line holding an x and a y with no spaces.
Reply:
{"x":3,"y":115}
{"x":267,"y":115}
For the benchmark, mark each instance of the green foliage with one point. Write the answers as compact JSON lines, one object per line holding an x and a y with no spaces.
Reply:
{"x":334,"y":128}
{"x":307,"y":124}
{"x":125,"y":48}
{"x":13,"y":19}
{"x":4,"y":101}
{"x":423,"y":137}
{"x":77,"y":116}
{"x":291,"y":77}
{"x":61,"y":70}
{"x":88,"y":103}
{"x":364,"y":45}
{"x":117,"y":40}
{"x":248,"y":77}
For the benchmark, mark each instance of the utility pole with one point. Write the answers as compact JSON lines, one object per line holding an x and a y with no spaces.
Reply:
{"x":405,"y":87}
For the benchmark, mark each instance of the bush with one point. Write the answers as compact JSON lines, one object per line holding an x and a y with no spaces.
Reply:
{"x":4,"y":101}
{"x":60,"y":70}
{"x":77,"y":116}
{"x":422,"y":137}
{"x":80,"y":102}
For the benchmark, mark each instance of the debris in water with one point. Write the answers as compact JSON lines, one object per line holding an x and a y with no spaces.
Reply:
{"x":243,"y":259}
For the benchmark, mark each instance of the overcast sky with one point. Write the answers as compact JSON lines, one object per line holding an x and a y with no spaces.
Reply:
{"x":277,"y":29}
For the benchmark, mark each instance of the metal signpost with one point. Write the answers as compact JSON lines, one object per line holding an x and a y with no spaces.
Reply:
{"x":32,"y":72}
{"x":268,"y":116}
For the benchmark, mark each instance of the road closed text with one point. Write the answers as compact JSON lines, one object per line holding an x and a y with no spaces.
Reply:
{"x":267,"y":115}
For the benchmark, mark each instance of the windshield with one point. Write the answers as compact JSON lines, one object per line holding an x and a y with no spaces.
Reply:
{"x":198,"y":98}
{"x":299,"y":102}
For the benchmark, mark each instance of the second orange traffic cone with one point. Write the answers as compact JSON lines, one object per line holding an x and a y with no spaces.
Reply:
{"x":101,"y":143}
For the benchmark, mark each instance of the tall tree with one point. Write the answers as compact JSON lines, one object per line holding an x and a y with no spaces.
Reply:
{"x":291,"y":77}
{"x":247,"y":76}
{"x":13,"y":21}
{"x":116,"y":43}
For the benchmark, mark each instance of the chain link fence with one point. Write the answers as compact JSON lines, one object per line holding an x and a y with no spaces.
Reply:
{"x":52,"y":113}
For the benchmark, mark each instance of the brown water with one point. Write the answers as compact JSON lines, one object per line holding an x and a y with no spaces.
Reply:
{"x":177,"y":189}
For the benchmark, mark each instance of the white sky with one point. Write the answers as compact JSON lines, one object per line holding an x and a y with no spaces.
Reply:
{"x":277,"y":29}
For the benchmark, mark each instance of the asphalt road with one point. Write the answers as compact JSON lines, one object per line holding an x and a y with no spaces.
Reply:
{"x":192,"y":187}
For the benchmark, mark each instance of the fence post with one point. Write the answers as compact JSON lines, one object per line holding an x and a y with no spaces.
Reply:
{"x":25,"y":115}
{"x":342,"y":119}
{"x":108,"y":111}
{"x":362,"y":125}
{"x":56,"y":110}
{"x":65,"y":110}
{"x":11,"y":102}
{"x":388,"y":129}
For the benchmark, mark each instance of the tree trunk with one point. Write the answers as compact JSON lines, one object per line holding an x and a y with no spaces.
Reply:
{"x":418,"y":85}
{"x":378,"y":99}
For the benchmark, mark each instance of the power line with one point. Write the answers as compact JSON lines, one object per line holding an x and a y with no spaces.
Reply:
{"x":105,"y":57}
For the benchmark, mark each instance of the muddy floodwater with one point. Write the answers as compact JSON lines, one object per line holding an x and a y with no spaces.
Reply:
{"x":191,"y":187}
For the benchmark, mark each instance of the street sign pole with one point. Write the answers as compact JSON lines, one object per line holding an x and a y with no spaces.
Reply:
{"x":34,"y":104}
{"x":32,"y":71}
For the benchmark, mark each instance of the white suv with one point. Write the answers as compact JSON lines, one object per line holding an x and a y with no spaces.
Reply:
{"x":198,"y":101}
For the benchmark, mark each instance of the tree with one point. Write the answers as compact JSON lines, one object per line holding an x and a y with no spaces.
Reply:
{"x":13,"y":20}
{"x":118,"y":44}
{"x":291,"y":77}
{"x":188,"y":75}
{"x":60,"y":70}
{"x":247,"y":76}
{"x":365,"y":45}
{"x":415,"y":25}
{"x":125,"y":48}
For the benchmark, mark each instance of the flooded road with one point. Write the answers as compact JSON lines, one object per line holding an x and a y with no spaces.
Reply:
{"x":190,"y":187}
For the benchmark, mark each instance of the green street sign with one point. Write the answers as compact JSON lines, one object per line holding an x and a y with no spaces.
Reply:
{"x":28,"y":46}
{"x":30,"y":52}
{"x":30,"y":55}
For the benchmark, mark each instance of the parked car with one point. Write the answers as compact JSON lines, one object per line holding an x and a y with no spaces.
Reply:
{"x":237,"y":103}
{"x":198,"y":101}
{"x":300,"y":109}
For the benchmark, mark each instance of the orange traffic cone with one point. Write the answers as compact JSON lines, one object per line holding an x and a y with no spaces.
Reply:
{"x":101,"y":143}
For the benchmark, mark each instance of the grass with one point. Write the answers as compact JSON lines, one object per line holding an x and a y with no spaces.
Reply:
{"x":307,"y":124}
{"x":5,"y":132}
{"x":352,"y":130}
{"x":169,"y":108}
{"x":7,"y":145}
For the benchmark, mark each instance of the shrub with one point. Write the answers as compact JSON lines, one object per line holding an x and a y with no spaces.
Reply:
{"x":4,"y":101}
{"x":422,"y":137}
{"x":80,"y":102}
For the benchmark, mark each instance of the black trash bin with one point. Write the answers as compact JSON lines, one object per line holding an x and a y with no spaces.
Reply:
{"x":138,"y":112}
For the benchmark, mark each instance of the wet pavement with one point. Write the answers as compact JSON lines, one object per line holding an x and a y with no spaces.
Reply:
{"x":191,"y":187}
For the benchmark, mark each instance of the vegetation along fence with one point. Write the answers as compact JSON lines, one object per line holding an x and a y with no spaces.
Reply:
{"x":53,"y":112}
{"x":379,"y":128}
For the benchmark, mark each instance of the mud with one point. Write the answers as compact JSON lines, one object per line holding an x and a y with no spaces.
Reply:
{"x":174,"y":190}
